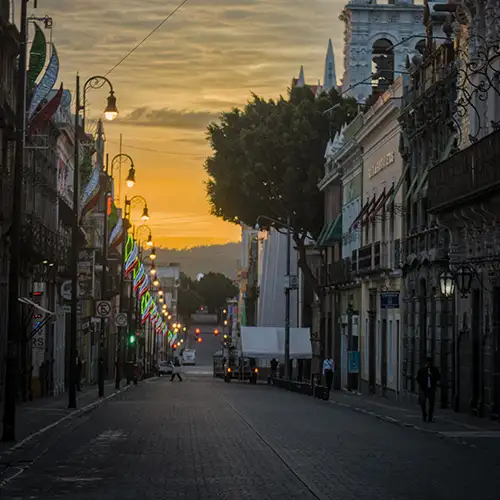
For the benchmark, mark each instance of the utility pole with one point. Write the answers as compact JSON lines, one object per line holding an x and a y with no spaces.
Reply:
{"x":287,"y":298}
{"x":15,"y":330}
{"x":75,"y":252}
{"x":104,"y":278}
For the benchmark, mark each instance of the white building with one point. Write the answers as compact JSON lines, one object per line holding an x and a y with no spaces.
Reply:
{"x":378,"y":37}
{"x":379,"y":257}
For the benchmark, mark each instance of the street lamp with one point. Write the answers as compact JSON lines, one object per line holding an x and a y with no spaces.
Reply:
{"x":152,"y":255}
{"x":463,"y":278}
{"x":156,"y":282}
{"x":95,"y":82}
{"x":129,"y":204}
{"x":131,"y":172}
{"x":447,"y":283}
{"x":287,"y":286}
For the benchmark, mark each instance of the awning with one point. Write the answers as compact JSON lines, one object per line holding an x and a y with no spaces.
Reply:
{"x":362,"y":213}
{"x":29,"y":302}
{"x":322,"y":235}
{"x":332,"y":234}
{"x":382,"y":201}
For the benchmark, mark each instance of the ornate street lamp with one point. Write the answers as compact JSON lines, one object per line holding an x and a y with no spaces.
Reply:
{"x":130,"y":180}
{"x":152,"y":255}
{"x":447,"y":283}
{"x":463,"y":278}
{"x":110,"y":112}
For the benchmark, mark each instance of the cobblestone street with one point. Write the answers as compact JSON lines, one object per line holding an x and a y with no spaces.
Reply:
{"x":203,"y":439}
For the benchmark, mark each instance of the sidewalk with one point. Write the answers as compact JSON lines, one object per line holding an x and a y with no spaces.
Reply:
{"x":33,"y":416}
{"x":462,"y":427}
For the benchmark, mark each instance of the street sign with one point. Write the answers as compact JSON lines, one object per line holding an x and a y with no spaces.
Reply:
{"x":291,"y":282}
{"x":121,"y":319}
{"x":103,"y":308}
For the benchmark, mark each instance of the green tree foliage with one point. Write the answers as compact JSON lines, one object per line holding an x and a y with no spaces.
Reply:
{"x":188,"y":300}
{"x":215,"y":289}
{"x":268,"y":158}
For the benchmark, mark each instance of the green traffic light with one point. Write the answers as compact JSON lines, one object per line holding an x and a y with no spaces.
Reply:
{"x":131,"y":339}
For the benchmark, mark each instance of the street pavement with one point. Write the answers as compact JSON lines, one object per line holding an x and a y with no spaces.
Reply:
{"x":202,"y":439}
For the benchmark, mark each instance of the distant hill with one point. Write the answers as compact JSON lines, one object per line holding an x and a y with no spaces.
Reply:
{"x":215,"y":258}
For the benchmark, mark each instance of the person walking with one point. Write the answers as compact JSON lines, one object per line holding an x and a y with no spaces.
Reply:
{"x":428,"y":378}
{"x":176,"y":370}
{"x":328,"y":368}
{"x":274,"y":370}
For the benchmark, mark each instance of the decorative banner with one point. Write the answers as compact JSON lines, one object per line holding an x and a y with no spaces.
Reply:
{"x":86,"y":274}
{"x":47,"y":112}
{"x":38,"y":55}
{"x":46,"y":83}
{"x":139,"y":276}
{"x":131,"y":255}
{"x":144,"y":288}
{"x":90,"y":195}
{"x":117,"y":234}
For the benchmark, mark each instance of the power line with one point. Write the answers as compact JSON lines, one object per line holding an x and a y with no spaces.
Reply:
{"x":162,"y":151}
{"x":146,"y":38}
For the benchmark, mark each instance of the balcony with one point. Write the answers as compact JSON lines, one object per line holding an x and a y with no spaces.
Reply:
{"x":340,"y":272}
{"x":467,"y":176}
{"x":377,"y":257}
{"x":426,"y":240}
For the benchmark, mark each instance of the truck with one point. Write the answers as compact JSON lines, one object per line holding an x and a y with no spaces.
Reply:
{"x":189,"y":357}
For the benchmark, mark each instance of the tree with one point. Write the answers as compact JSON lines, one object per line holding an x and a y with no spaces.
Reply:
{"x":188,"y":300}
{"x":215,"y":289}
{"x":268,"y":158}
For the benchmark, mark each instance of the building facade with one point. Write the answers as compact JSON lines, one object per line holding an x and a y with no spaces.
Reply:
{"x":9,"y":43}
{"x":464,"y":197}
{"x":428,"y":136}
{"x":378,"y":258}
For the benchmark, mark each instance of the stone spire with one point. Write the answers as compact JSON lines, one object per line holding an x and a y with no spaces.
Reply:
{"x":330,"y":77}
{"x":301,"y":81}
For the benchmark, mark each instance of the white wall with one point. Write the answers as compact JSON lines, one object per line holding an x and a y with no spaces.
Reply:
{"x":271,"y":308}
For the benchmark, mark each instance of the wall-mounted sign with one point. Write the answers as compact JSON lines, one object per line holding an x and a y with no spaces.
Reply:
{"x":389,"y":300}
{"x":382,"y":164}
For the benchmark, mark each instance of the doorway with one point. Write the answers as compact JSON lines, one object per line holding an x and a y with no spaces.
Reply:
{"x":372,"y":339}
{"x":476,"y":348}
{"x":383,"y":357}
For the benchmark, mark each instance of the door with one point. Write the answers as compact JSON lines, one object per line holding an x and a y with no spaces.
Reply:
{"x":372,"y":340}
{"x":343,"y":356}
{"x":383,"y":357}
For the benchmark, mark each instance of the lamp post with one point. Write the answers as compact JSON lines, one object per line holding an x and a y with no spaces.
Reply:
{"x":110,"y":113}
{"x":126,"y":219}
{"x":288,"y":286}
{"x":130,"y":180}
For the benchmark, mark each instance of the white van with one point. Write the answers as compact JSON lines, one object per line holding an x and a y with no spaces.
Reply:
{"x":189,"y":357}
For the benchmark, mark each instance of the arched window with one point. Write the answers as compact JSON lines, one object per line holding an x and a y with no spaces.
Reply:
{"x":382,"y":64}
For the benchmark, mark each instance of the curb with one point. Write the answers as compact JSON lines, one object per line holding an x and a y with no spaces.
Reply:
{"x":76,"y":413}
{"x":402,"y":423}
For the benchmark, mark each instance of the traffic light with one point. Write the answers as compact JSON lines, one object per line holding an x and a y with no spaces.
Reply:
{"x":197,"y":331}
{"x":131,"y":339}
{"x":216,"y":332}
{"x":199,"y":340}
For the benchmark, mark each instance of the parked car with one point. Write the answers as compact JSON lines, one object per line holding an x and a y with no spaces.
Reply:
{"x":164,"y":368}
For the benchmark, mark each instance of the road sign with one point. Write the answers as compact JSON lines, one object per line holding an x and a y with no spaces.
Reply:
{"x":103,"y":309}
{"x":121,"y":319}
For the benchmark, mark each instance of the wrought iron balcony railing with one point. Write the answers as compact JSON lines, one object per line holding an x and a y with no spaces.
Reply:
{"x":466,"y":176}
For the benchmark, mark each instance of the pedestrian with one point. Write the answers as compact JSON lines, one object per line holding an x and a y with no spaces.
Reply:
{"x":328,"y":368}
{"x":176,"y":370}
{"x":428,"y":378}
{"x":274,"y":369}
{"x":79,"y":368}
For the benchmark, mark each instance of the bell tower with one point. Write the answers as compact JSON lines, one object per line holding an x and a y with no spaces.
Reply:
{"x":374,"y":51}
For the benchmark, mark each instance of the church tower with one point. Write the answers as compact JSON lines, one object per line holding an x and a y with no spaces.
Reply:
{"x":374,"y":51}
{"x":330,"y":76}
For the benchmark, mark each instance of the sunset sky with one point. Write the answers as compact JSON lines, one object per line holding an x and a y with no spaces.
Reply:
{"x":205,"y":59}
